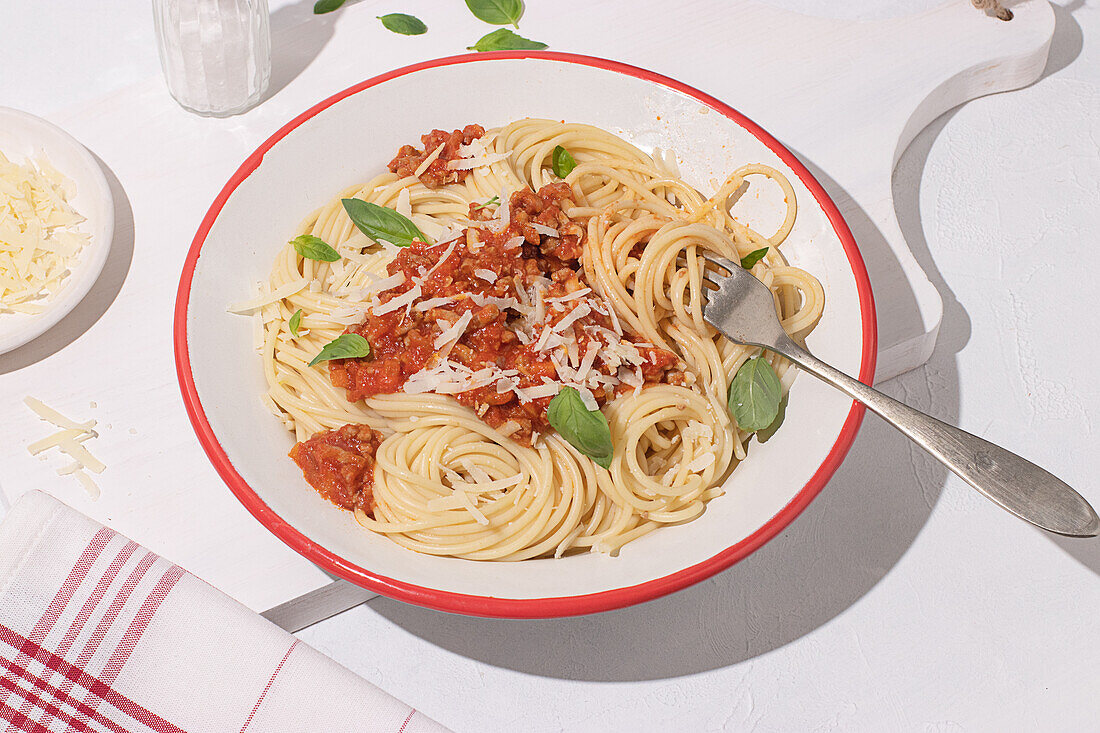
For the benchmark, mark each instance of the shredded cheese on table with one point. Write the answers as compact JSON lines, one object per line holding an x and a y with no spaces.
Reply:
{"x":68,"y":440}
{"x":39,"y":240}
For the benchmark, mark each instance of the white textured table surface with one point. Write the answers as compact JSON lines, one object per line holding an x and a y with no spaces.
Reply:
{"x":900,"y":600}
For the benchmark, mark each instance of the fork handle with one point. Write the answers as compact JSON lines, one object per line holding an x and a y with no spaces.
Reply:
{"x":1014,"y":483}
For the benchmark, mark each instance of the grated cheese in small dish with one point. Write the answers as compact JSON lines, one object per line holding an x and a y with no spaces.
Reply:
{"x":40,"y":237}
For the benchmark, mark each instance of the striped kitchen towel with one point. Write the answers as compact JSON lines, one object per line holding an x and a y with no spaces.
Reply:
{"x":99,"y":635}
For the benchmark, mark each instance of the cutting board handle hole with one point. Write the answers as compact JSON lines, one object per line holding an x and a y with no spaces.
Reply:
{"x":993,"y":8}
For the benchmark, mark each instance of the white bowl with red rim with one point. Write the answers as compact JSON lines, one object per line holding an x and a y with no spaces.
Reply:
{"x":349,"y":138}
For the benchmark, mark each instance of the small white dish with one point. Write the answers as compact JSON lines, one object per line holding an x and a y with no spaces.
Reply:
{"x":23,"y":136}
{"x":350,"y":137}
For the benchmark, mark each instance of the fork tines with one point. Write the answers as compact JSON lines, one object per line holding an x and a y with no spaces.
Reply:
{"x":709,"y":275}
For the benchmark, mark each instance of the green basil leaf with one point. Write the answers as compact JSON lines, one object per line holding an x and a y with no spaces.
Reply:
{"x":497,"y":12}
{"x":406,"y":25}
{"x":586,"y":430}
{"x":344,"y":346}
{"x":503,"y":39}
{"x":753,"y":257}
{"x":765,"y":435}
{"x":295,"y":322}
{"x":314,"y":248}
{"x":562,"y":162}
{"x":378,"y":222}
{"x":754,"y":395}
{"x":326,"y":6}
{"x":491,"y":202}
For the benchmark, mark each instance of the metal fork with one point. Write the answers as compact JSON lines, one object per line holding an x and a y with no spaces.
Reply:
{"x":742,"y":308}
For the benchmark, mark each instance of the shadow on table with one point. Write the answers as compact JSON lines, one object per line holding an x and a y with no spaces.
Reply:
{"x":832,"y":555}
{"x":1068,"y":38}
{"x":823,"y":563}
{"x":297,"y":37}
{"x":99,"y":298}
{"x":1066,"y":46}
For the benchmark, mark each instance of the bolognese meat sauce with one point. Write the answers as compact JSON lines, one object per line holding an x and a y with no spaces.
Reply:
{"x":340,"y":464}
{"x":504,"y":299}
{"x":408,"y":159}
{"x":475,"y":276}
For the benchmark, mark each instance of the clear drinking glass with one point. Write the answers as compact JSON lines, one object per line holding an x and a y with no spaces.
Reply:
{"x":216,"y":54}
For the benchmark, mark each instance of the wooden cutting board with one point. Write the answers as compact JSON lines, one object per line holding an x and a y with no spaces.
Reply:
{"x":846,"y":96}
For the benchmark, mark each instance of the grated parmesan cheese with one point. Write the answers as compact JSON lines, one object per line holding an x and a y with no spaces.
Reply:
{"x":571,"y":296}
{"x":405,"y":299}
{"x":454,"y":331}
{"x":446,"y":254}
{"x":265,"y":298}
{"x":614,"y":318}
{"x":588,"y":360}
{"x":347,"y":315}
{"x":68,"y":440}
{"x":504,"y":215}
{"x":543,"y":229}
{"x":547,"y":389}
{"x":404,"y":202}
{"x":588,"y":398}
{"x":540,"y":305}
{"x":51,"y":415}
{"x":382,"y":284}
{"x":502,"y":303}
{"x":574,"y":315}
{"x":630,"y":378}
{"x":474,"y":155}
{"x":39,"y":239}
{"x":429,"y":303}
{"x":466,"y":164}
{"x":428,"y":161}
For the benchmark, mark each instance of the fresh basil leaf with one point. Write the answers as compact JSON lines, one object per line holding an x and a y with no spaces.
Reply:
{"x":406,"y":25}
{"x":295,"y":322}
{"x":380,"y":223}
{"x":497,"y":12}
{"x":586,"y":430}
{"x":754,"y":395}
{"x":326,"y":6}
{"x":562,"y":162}
{"x":753,"y":257}
{"x":765,"y":435}
{"x":503,"y":39}
{"x":344,"y":346}
{"x":314,"y":248}
{"x":491,"y":202}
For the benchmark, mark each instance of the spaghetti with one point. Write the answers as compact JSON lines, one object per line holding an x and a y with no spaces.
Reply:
{"x":519,"y":284}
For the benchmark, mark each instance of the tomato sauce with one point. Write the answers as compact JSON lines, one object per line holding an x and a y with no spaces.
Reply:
{"x":340,"y":464}
{"x":408,"y":158}
{"x":507,"y":266}
{"x":403,"y":341}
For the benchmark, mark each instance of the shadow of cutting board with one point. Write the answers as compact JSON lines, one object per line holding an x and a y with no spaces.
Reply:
{"x":846,"y":96}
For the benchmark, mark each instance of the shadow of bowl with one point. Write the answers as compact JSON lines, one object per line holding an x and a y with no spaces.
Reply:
{"x":833,"y":554}
{"x":103,"y":293}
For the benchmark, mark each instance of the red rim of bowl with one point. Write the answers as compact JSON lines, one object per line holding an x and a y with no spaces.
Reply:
{"x":523,"y":607}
